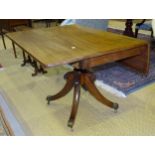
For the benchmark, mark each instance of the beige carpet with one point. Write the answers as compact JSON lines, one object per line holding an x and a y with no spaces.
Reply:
{"x":26,"y":96}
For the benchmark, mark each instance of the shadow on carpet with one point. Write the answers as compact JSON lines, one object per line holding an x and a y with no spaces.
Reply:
{"x":121,"y":80}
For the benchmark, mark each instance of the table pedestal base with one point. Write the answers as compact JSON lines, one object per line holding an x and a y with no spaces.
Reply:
{"x":77,"y":79}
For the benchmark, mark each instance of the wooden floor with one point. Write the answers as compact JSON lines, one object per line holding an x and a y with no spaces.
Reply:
{"x":26,"y":96}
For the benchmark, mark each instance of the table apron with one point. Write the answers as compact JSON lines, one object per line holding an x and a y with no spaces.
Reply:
{"x":132,"y":57}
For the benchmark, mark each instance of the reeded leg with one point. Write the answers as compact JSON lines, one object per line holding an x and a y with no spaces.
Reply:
{"x":89,"y":82}
{"x":29,"y":60}
{"x":36,"y":69}
{"x":24,"y":59}
{"x":68,"y":86}
{"x":14,"y":49}
{"x":75,"y":105}
{"x":136,"y":32}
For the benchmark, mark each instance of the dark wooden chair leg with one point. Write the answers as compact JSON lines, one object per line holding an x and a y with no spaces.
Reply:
{"x":138,"y":27}
{"x":89,"y":83}
{"x":24,"y":59}
{"x":76,"y":99}
{"x":136,"y":33}
{"x":29,"y":59}
{"x":32,"y":63}
{"x":36,"y":69}
{"x":151,"y":33}
{"x":3,"y":41}
{"x":68,"y":86}
{"x":14,"y":49}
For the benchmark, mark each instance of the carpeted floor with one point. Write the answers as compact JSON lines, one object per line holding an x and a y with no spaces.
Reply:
{"x":26,"y":98}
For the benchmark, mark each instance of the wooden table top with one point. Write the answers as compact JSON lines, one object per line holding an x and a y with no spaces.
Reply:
{"x":67,"y":44}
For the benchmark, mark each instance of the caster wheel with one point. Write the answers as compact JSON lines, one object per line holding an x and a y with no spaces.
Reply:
{"x":48,"y":98}
{"x":70,"y":124}
{"x":34,"y":74}
{"x":22,"y":65}
{"x":48,"y":102}
{"x":115,"y":106}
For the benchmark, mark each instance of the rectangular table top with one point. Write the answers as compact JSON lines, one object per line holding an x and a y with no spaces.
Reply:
{"x":68,"y":44}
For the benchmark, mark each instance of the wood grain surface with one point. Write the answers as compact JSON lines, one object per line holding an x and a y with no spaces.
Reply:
{"x":68,"y":44}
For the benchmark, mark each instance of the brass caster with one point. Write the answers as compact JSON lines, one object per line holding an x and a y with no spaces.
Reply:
{"x":48,"y":99}
{"x":34,"y":74}
{"x":23,"y":64}
{"x":70,"y":124}
{"x":48,"y":102}
{"x":115,"y":106}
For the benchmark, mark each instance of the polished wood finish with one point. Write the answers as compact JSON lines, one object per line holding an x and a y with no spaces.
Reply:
{"x":68,"y":44}
{"x":140,"y":62}
{"x":77,"y":79}
{"x":84,"y":48}
{"x":67,"y":88}
{"x":20,"y":28}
